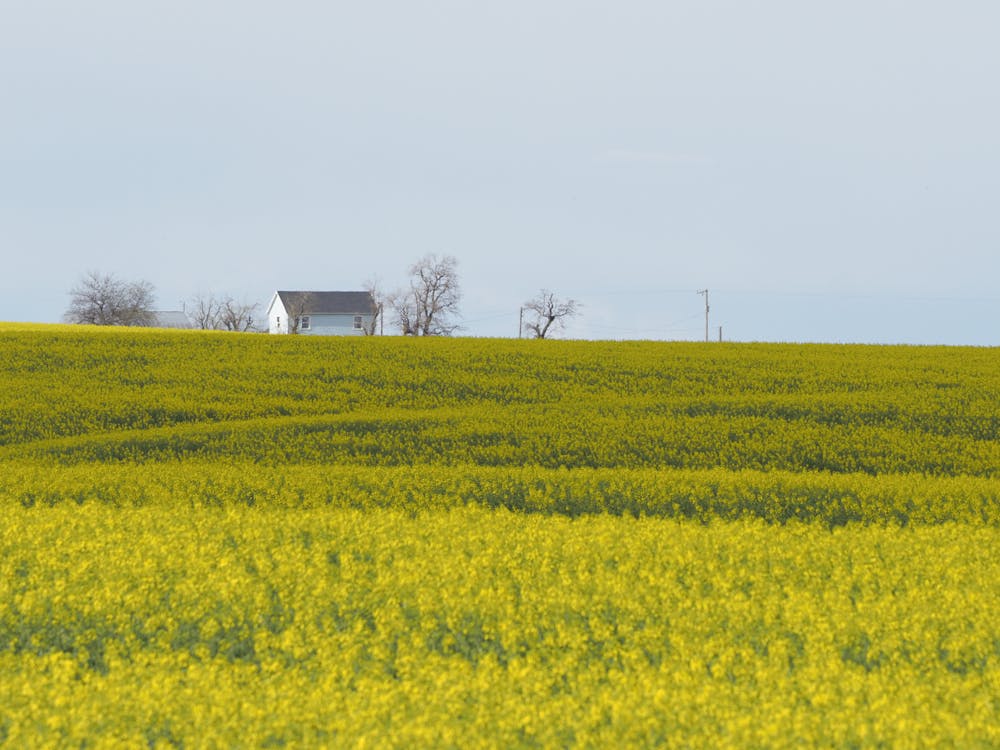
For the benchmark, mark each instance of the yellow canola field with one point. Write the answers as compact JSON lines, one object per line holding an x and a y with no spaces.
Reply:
{"x":478,"y":628}
{"x":221,"y":540}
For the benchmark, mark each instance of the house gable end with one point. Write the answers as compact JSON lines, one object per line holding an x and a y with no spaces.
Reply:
{"x":276,"y":300}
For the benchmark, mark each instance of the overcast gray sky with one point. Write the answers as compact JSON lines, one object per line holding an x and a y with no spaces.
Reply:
{"x":828,"y":170}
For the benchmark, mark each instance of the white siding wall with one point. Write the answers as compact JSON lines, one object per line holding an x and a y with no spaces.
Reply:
{"x":277,"y":318}
{"x":331,"y":325}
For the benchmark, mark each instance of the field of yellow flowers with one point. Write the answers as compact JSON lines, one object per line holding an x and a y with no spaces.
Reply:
{"x":233,"y":540}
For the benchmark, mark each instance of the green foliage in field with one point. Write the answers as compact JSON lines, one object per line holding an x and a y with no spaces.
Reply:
{"x":830,"y":433}
{"x":789,"y":407}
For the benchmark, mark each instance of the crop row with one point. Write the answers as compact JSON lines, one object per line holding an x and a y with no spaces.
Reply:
{"x":551,"y":438}
{"x":826,"y":499}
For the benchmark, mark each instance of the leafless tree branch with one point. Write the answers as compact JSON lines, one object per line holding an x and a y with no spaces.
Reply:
{"x":548,"y":313}
{"x":299,"y":305}
{"x":103,"y":299}
{"x":209,"y":312}
{"x":429,"y":306}
{"x":237,"y":316}
{"x":379,"y":300}
{"x":204,"y":310}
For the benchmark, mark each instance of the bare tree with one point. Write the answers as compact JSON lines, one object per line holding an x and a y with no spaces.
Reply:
{"x":427,"y":308}
{"x":205,"y":311}
{"x":209,"y":312}
{"x":297,"y":307}
{"x":548,"y":313}
{"x":237,"y":316}
{"x":379,"y":298}
{"x":104,"y":300}
{"x":403,"y":312}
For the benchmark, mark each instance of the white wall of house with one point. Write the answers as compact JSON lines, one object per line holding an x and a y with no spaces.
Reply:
{"x":277,"y":318}
{"x":333,"y":325}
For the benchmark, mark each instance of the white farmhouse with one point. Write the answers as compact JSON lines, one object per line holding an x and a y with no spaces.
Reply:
{"x":321,"y":313}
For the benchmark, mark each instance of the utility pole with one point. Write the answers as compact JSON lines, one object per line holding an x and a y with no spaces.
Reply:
{"x":520,"y":323}
{"x":720,"y":334}
{"x":705,"y":292}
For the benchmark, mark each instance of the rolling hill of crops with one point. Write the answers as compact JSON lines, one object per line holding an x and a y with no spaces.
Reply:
{"x":266,"y":541}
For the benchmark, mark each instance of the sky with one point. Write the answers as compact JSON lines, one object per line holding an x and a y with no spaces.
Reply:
{"x":828,"y":171}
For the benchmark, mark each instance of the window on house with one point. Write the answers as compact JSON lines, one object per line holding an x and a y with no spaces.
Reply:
{"x":357,"y":322}
{"x":304,"y":323}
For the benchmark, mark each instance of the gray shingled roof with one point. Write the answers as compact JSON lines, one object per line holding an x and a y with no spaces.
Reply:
{"x":171,"y":319}
{"x":328,"y":303}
